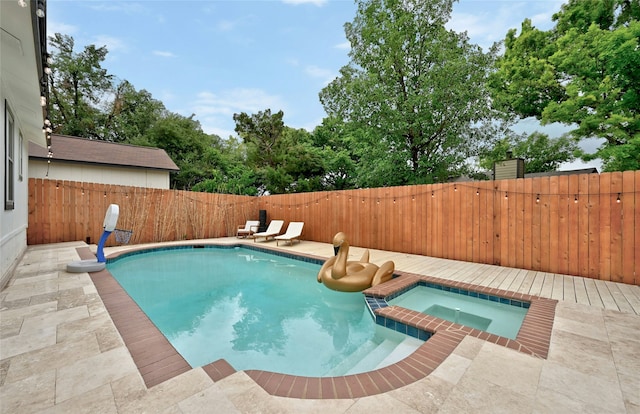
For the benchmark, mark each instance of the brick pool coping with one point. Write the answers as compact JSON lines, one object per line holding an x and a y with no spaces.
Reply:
{"x":157,"y":360}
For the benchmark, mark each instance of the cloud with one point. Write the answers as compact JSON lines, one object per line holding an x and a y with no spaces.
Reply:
{"x":293,"y":62}
{"x":325,"y":75}
{"x":117,"y":7}
{"x":167,"y":95}
{"x":346,"y":45}
{"x":318,"y":3}
{"x":162,"y":53}
{"x":226,"y":25}
{"x":113,"y":44}
{"x":210,"y":125}
{"x":215,"y":110}
{"x":54,"y":27}
{"x":486,"y":25}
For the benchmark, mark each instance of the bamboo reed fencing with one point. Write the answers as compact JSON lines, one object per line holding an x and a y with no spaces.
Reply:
{"x":584,"y":225}
{"x":61,"y":211}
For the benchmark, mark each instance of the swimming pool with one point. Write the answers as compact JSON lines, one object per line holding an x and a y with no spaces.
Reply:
{"x":257,"y":311}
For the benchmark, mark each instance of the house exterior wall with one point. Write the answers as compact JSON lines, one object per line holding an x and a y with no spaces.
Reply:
{"x":13,"y":223}
{"x":20,"y":94}
{"x":100,"y":174}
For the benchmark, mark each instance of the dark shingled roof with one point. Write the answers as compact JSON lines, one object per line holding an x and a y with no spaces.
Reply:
{"x":81,"y":150}
{"x":590,"y":170}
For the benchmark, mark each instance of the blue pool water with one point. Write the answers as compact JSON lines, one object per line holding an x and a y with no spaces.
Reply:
{"x":257,"y":311}
{"x":484,"y":314}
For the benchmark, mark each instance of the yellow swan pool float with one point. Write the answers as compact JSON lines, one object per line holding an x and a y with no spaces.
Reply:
{"x":352,"y":276}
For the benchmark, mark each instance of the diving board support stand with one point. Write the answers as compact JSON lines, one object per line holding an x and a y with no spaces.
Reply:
{"x":99,"y":263}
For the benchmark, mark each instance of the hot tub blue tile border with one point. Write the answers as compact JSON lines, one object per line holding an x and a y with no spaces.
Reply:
{"x":492,"y":298}
{"x":374,"y":303}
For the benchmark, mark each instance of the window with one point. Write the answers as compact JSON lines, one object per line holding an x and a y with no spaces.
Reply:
{"x":20,"y":160}
{"x":9,"y":146}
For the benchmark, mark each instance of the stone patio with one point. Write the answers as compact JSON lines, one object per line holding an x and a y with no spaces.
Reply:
{"x":61,"y":352}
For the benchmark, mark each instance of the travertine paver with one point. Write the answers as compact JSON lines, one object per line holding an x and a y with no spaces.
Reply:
{"x":59,"y":352}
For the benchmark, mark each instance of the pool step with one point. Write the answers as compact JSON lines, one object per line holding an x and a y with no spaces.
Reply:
{"x":353,"y":359}
{"x":403,"y":350}
{"x":374,"y":358}
{"x":373,"y":355}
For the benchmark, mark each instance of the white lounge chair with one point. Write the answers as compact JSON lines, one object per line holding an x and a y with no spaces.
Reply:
{"x":294,"y":231}
{"x":275,"y":227}
{"x":248,"y":229}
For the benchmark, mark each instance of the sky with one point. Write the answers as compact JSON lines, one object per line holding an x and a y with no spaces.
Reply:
{"x":214,"y":58}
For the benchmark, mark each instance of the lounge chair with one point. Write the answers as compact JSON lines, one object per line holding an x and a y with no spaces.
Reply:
{"x":294,"y":231}
{"x":275,"y":227}
{"x":248,"y":229}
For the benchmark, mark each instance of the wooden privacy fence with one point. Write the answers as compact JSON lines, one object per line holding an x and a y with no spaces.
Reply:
{"x":582,"y":225}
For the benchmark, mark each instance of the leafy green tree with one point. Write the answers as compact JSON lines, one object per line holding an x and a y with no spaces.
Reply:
{"x":583,"y":72}
{"x":261,"y":133}
{"x":78,"y":84}
{"x":539,"y":152}
{"x":300,"y":165}
{"x":334,"y":139}
{"x":417,"y":90}
{"x":285,"y":160}
{"x":88,"y":102}
{"x":187,"y":145}
{"x":230,"y":173}
{"x":130,"y":114}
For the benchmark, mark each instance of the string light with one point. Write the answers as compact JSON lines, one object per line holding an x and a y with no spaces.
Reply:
{"x":40,"y":9}
{"x":264,"y":203}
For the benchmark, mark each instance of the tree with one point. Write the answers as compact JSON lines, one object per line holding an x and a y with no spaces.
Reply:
{"x":187,"y":145}
{"x":416,"y":89}
{"x":78,"y":84}
{"x":87,"y":102}
{"x":130,"y":114}
{"x":261,"y":133}
{"x":583,"y":72}
{"x":231,"y":174}
{"x":333,"y":137}
{"x":300,"y":165}
{"x":539,"y":152}
{"x":285,"y":160}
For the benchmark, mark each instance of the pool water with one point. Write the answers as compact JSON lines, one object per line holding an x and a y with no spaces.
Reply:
{"x":257,"y":311}
{"x":487,"y":315}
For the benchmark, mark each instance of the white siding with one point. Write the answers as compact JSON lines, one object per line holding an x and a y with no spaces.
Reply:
{"x":19,"y":89}
{"x":135,"y":177}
